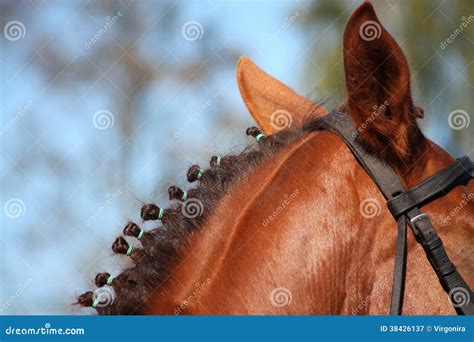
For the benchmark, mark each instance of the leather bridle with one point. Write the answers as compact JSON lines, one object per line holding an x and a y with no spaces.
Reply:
{"x":404,"y":205}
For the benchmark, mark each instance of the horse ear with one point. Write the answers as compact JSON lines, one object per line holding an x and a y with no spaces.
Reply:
{"x":378,"y":87}
{"x":271,"y":103}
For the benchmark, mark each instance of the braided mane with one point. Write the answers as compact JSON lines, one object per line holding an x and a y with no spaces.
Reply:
{"x":154,"y":261}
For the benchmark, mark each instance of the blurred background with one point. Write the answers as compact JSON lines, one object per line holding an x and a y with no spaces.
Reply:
{"x":104,"y":104}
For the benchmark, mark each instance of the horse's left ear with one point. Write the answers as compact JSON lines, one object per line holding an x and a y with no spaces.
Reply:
{"x":272,"y":104}
{"x":378,"y":87}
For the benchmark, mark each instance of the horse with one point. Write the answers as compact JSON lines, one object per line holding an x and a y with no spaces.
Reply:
{"x":293,"y":225}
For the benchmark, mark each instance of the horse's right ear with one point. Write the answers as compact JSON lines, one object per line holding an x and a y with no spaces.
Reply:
{"x":271,"y":103}
{"x":378,"y":88}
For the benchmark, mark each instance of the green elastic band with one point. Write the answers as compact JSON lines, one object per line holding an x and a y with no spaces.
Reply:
{"x":260,"y":136}
{"x":140,"y":235}
{"x":218,"y":162}
{"x":199,"y":174}
{"x":109,"y":280}
{"x":160,"y":214}
{"x":129,"y":250}
{"x":96,"y":301}
{"x":185,"y":196}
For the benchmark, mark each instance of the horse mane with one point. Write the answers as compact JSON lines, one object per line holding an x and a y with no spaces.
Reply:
{"x":154,"y":261}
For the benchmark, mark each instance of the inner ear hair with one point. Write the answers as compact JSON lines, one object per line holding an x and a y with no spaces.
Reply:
{"x":419,"y":112}
{"x":378,"y":87}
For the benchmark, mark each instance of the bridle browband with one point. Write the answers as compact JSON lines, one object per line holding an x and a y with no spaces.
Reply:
{"x":404,"y":206}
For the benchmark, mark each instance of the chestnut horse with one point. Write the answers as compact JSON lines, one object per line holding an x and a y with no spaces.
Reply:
{"x":294,"y":225}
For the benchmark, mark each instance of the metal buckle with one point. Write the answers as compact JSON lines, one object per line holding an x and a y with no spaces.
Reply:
{"x":418,"y":217}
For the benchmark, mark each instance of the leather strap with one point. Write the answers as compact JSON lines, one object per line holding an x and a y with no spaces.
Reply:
{"x":404,"y":206}
{"x":449,"y":277}
{"x":435,"y":186}
{"x":381,"y":173}
{"x":398,"y":287}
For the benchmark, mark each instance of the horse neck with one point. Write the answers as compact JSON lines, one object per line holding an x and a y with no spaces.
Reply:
{"x":292,"y":225}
